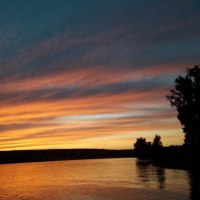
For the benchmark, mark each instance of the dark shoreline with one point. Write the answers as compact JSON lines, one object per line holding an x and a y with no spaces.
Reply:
{"x":174,"y":157}
{"x":23,"y":156}
{"x":168,"y":157}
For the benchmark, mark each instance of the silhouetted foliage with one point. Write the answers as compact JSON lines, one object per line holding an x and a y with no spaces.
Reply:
{"x":141,"y":143}
{"x":185,"y":97}
{"x":144,"y":149}
{"x":157,"y":142}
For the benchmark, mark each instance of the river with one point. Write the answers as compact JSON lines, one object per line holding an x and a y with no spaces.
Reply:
{"x":97,"y":179}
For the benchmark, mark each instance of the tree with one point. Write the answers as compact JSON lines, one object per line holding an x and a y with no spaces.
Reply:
{"x":157,"y":142}
{"x":185,"y":97}
{"x":142,"y":148}
{"x":140,"y":143}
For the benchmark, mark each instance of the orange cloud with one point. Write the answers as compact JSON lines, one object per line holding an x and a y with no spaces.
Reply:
{"x":37,"y":125}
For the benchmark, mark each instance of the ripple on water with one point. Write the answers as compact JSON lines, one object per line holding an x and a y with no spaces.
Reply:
{"x":108,"y":179}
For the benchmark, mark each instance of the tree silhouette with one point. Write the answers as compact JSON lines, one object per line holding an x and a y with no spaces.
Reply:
{"x":157,"y":142}
{"x":140,"y":143}
{"x":185,"y":97}
{"x":142,"y":148}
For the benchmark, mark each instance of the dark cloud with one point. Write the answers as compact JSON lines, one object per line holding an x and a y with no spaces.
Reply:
{"x":125,"y":34}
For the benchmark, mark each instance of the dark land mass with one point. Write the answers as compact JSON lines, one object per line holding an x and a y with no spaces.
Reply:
{"x":175,"y":157}
{"x":20,"y":156}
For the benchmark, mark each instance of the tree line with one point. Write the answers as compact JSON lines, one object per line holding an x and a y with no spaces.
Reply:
{"x":141,"y":143}
{"x":185,"y":98}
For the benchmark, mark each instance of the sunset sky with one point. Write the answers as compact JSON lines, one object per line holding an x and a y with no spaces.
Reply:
{"x":93,"y":73}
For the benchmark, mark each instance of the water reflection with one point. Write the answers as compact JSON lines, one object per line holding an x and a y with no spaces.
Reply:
{"x":113,"y":179}
{"x":149,"y":175}
{"x":161,"y":177}
{"x":194,"y":177}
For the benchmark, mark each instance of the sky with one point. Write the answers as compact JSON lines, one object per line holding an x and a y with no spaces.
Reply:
{"x":93,"y":73}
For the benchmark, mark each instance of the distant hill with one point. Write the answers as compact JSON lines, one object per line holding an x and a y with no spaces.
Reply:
{"x":20,"y":156}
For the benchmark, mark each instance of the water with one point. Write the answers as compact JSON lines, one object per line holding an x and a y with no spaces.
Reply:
{"x":99,"y":179}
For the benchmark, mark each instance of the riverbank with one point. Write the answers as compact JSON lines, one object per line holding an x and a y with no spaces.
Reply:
{"x":175,"y":157}
{"x":21,"y":156}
